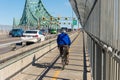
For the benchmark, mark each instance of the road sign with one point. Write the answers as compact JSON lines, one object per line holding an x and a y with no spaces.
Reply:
{"x":74,"y":22}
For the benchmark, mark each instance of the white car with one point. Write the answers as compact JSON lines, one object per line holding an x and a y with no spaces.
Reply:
{"x":33,"y":36}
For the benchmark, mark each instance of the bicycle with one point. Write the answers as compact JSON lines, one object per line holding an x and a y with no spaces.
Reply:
{"x":64,"y":57}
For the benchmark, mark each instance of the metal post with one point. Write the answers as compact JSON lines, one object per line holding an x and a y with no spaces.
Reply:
{"x":98,"y":62}
{"x":93,"y":59}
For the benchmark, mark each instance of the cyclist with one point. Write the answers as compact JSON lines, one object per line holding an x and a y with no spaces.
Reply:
{"x":63,"y":40}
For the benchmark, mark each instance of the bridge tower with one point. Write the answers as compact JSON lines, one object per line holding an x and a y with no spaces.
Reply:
{"x":35,"y":16}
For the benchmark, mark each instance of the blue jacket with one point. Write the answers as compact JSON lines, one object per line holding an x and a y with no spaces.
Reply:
{"x":63,"y":39}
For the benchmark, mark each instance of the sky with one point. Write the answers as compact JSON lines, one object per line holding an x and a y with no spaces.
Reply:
{"x":10,"y":9}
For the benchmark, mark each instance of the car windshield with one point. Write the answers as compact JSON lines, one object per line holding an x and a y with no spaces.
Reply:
{"x":42,"y":30}
{"x":33,"y":32}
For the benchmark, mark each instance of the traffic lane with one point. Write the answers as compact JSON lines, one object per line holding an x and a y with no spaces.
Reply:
{"x":9,"y":39}
{"x":8,"y":49}
{"x":4,"y":50}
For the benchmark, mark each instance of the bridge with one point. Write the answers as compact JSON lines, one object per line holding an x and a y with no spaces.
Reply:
{"x":35,"y":16}
{"x":94,"y":53}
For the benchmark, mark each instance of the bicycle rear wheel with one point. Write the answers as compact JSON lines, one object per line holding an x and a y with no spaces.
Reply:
{"x":64,"y":58}
{"x":63,"y":62}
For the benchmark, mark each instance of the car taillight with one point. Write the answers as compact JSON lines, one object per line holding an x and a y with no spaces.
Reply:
{"x":35,"y":36}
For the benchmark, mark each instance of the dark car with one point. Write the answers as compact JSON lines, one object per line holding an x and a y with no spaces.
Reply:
{"x":10,"y":32}
{"x":64,"y":28}
{"x":16,"y":32}
{"x":44,"y":31}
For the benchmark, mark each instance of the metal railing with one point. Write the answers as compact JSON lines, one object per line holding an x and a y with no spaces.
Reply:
{"x":102,"y":41}
{"x":105,"y":60}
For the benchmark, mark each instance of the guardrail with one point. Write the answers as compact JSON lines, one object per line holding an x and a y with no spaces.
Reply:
{"x":23,"y":57}
{"x":104,"y":60}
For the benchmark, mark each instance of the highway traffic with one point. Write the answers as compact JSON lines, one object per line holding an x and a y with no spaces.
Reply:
{"x":9,"y":43}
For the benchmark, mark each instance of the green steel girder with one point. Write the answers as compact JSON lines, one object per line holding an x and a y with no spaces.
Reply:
{"x":33,"y":14}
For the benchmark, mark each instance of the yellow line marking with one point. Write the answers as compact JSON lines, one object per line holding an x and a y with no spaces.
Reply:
{"x":56,"y":74}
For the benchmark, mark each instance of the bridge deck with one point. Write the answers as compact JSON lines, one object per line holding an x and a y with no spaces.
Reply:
{"x":73,"y":71}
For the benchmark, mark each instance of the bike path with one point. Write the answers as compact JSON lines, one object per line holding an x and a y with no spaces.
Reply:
{"x":73,"y":71}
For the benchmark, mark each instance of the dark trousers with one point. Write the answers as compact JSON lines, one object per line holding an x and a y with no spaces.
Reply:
{"x":61,"y":50}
